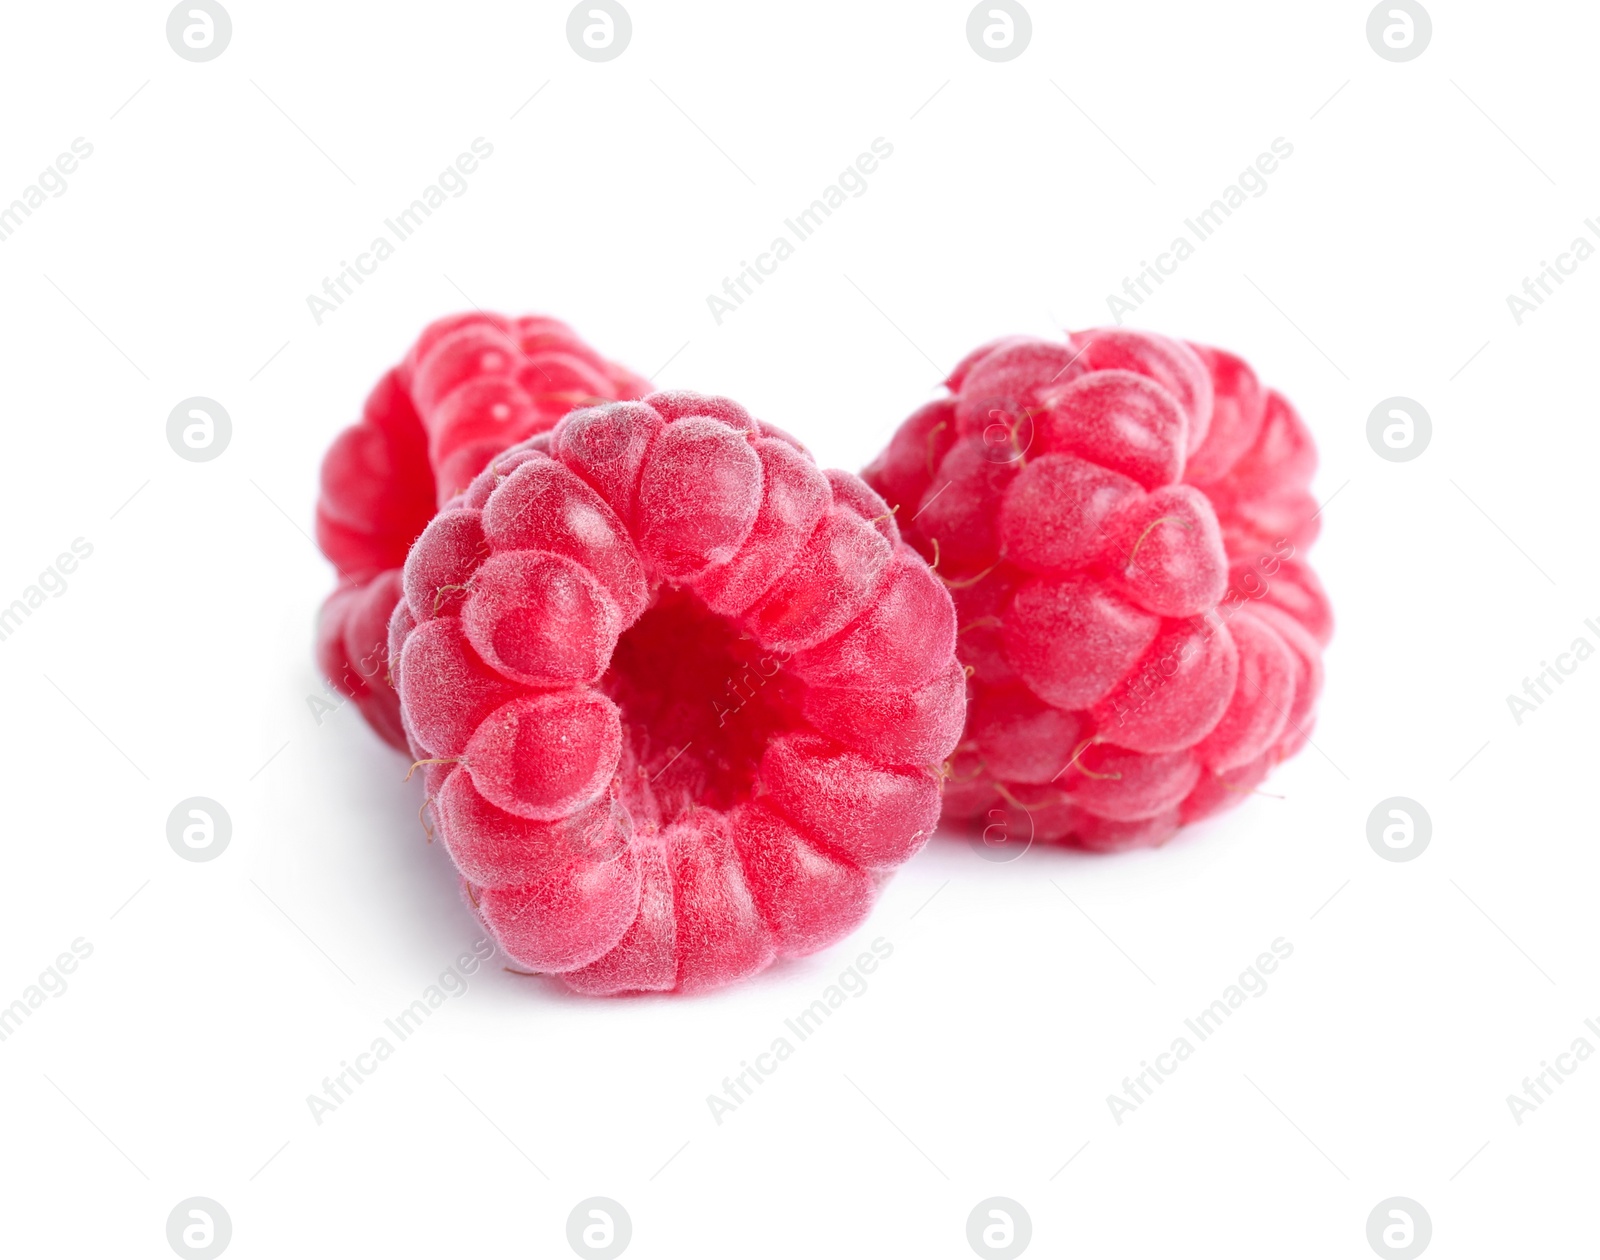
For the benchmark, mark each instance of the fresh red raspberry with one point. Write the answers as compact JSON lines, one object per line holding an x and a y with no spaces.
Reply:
{"x":471,"y":386}
{"x":1122,"y":520}
{"x":683,"y":697}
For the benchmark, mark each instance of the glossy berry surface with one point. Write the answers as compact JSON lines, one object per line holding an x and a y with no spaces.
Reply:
{"x":471,"y":386}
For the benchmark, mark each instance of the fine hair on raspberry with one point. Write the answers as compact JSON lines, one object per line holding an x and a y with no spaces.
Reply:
{"x":1122,"y":519}
{"x":682,"y":698}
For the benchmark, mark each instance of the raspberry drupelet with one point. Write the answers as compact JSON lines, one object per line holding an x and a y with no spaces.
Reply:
{"x":471,"y":386}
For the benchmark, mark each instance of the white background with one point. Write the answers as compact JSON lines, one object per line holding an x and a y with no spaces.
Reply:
{"x":1018,"y":995}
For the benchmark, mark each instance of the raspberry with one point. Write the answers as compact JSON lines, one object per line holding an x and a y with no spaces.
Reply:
{"x":682,"y":696}
{"x":1121,"y":520}
{"x":472,"y":385}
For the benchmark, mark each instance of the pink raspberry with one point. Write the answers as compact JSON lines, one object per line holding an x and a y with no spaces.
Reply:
{"x":471,"y":386}
{"x":683,"y":697}
{"x":1122,"y":521}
